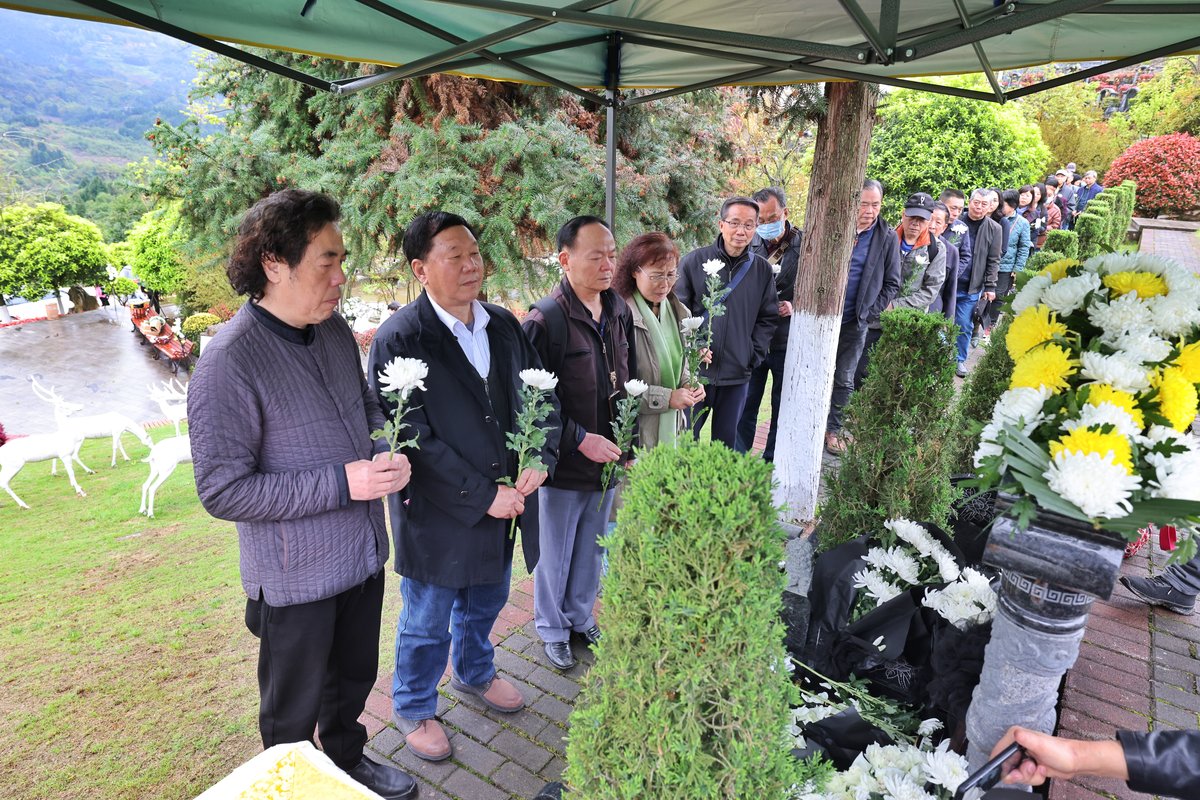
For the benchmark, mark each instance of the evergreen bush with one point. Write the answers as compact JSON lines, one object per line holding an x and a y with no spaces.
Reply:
{"x":197,"y":324}
{"x":1093,"y":233}
{"x":1102,"y":205}
{"x":1130,"y":190}
{"x":1042,"y":259}
{"x":689,"y":696}
{"x":1065,"y":243}
{"x":982,"y":389}
{"x":901,"y":428}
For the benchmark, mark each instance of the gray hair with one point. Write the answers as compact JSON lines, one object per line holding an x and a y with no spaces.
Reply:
{"x":871,"y":183}
{"x":763,"y":195}
{"x":981,"y":194}
{"x":738,"y":201}
{"x":1091,"y":173}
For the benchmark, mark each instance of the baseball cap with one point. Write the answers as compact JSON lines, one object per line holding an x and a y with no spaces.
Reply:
{"x":918,"y":204}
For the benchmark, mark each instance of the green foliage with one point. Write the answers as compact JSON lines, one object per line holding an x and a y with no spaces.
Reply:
{"x":901,"y":428}
{"x":121,"y":287}
{"x":983,"y":387}
{"x":1042,"y":259}
{"x":156,"y":242}
{"x":1074,"y":129}
{"x":1092,"y":228}
{"x":1103,"y":206}
{"x":1170,"y":102}
{"x":689,"y":696}
{"x":1065,"y":243}
{"x":43,"y":248}
{"x":197,"y":324}
{"x":926,"y":142}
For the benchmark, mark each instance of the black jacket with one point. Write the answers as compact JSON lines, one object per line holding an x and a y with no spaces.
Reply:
{"x":986,"y":248}
{"x":742,"y":335}
{"x":1163,"y":762}
{"x":785,"y":279}
{"x":586,"y":392}
{"x":440,"y":524}
{"x":880,"y":281}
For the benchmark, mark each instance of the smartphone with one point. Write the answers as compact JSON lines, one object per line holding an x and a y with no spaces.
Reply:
{"x":989,"y":775}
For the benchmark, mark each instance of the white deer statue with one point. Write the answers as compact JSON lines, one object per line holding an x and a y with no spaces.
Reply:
{"x":16,"y":453}
{"x":94,"y":426}
{"x":171,"y":397}
{"x":164,"y":457}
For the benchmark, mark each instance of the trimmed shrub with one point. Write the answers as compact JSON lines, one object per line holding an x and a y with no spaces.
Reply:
{"x":1065,"y":243}
{"x":1103,"y":206}
{"x":1042,"y":259}
{"x":902,"y":431}
{"x":689,"y":695}
{"x":197,"y":324}
{"x":982,"y":389}
{"x":1093,"y":233}
{"x":1166,"y":170}
{"x":224,"y":311}
{"x":1130,"y":190}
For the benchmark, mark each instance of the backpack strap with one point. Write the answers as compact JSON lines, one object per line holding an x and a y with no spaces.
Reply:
{"x":556,"y":331}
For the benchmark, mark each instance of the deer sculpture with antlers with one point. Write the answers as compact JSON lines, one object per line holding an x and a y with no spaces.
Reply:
{"x":16,"y":453}
{"x":171,"y":397}
{"x":94,"y":426}
{"x":164,"y":457}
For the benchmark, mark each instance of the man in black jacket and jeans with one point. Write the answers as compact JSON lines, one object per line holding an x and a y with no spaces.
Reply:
{"x":742,"y":335}
{"x":872,"y":283}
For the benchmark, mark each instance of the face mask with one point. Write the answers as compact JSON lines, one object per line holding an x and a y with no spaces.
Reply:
{"x":771,"y":230}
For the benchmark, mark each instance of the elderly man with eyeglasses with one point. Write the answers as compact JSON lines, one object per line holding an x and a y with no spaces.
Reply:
{"x":742,"y":335}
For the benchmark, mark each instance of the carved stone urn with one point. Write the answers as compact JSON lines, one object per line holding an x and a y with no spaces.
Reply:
{"x":1051,"y":572}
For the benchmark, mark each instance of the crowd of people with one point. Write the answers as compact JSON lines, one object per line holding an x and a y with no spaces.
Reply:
{"x":282,"y":422}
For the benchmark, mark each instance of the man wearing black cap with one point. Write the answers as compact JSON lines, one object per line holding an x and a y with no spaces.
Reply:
{"x":922,"y":269}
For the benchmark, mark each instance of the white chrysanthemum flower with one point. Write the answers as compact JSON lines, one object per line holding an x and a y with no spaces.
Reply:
{"x":987,"y":444}
{"x":402,"y":375}
{"x":929,"y":726}
{"x":776,"y":268}
{"x":1031,"y":293}
{"x":1127,"y":313}
{"x":635,"y":388}
{"x":900,"y":787}
{"x":968,"y":601}
{"x":1069,"y":294}
{"x":1161,"y":433}
{"x":1175,"y":313}
{"x":1112,"y":263}
{"x":904,"y":566}
{"x":875,"y":585}
{"x":1177,"y":477}
{"x":876,"y":558}
{"x":1106,"y":413}
{"x":945,"y":769}
{"x":713,"y":266}
{"x":1021,"y":407}
{"x":908,"y":531}
{"x":1141,"y":346}
{"x":1091,"y":481}
{"x":1117,"y":370}
{"x":947,"y":567}
{"x":688,"y":324}
{"x":539,"y":379}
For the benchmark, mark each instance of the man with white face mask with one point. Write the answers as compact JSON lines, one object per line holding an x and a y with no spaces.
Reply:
{"x":778,"y":241}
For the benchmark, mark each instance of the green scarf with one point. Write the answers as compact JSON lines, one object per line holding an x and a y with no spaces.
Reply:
{"x":668,"y":349}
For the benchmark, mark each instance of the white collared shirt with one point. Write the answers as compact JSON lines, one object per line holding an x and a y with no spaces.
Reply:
{"x":473,"y":340}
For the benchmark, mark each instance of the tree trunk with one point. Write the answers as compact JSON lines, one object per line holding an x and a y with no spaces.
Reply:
{"x":62,"y":311}
{"x":839,"y":164}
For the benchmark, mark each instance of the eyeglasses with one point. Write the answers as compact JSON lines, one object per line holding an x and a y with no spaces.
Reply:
{"x":660,"y":277}
{"x":741,"y":226}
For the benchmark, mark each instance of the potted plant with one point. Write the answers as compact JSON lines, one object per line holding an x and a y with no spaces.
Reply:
{"x":1089,"y":444}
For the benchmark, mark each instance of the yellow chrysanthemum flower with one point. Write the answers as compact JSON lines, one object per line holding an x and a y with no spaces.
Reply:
{"x":1048,"y":366}
{"x":1086,"y":441}
{"x":1032,"y":327}
{"x":1057,"y":270}
{"x":1189,"y":361}
{"x":1103,"y":393}
{"x":1146,"y":284}
{"x":1177,"y":399}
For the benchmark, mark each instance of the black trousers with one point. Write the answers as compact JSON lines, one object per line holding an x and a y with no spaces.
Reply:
{"x":1004,"y":287}
{"x":724,"y":405}
{"x":317,"y":663}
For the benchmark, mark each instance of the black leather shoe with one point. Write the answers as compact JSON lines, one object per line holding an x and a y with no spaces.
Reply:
{"x":387,"y":782}
{"x":591,"y":636}
{"x":1158,"y":592}
{"x":559,"y":654}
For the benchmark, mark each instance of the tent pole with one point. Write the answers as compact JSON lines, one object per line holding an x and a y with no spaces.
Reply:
{"x":612,"y":98}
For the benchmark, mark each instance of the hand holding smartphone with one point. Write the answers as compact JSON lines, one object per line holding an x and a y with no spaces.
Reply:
{"x":990,"y":773}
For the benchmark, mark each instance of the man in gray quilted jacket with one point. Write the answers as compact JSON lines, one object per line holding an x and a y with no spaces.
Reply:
{"x":280,"y":423}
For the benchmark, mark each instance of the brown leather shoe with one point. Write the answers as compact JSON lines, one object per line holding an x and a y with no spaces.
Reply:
{"x":425,"y":738}
{"x":834,"y":445}
{"x":497,"y":694}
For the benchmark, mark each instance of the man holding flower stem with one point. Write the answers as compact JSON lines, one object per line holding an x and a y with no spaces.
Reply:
{"x":451,"y":526}
{"x":583,"y":332}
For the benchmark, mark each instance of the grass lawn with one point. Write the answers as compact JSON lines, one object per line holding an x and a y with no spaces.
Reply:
{"x":126,"y":670}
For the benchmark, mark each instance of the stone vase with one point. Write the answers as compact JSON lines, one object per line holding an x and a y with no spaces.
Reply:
{"x":1051,"y":572}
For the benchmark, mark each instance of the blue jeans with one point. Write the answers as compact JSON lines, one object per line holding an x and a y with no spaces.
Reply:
{"x":748,"y":424}
{"x":432,"y":620}
{"x":964,"y":305}
{"x":851,"y":338}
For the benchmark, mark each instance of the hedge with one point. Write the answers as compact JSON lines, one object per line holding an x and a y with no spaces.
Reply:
{"x":1065,"y":243}
{"x":689,"y":696}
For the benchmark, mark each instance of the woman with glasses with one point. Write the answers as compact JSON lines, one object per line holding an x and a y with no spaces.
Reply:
{"x":645,"y":277}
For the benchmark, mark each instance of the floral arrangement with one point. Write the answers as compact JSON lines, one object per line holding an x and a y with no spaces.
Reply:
{"x":1104,"y":388}
{"x":966,"y":602}
{"x":529,"y":437}
{"x":697,"y":337}
{"x":622,"y":427}
{"x":907,"y":555}
{"x":397,"y":381}
{"x":896,"y":772}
